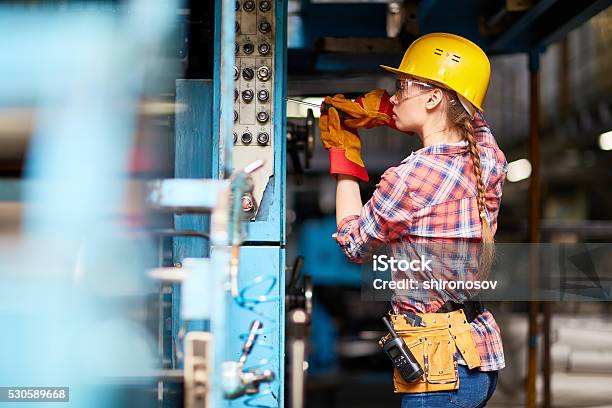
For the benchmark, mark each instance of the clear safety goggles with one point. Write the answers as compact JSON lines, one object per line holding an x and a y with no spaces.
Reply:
{"x":409,"y":88}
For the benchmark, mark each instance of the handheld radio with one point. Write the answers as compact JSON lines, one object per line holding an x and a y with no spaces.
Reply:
{"x":401,"y":356}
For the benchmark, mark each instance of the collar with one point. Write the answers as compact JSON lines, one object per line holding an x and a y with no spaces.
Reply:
{"x":441,"y":148}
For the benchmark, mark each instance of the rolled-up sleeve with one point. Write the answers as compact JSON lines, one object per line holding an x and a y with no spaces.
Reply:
{"x":384,"y":218}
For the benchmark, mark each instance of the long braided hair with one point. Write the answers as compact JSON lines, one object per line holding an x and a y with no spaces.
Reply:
{"x":458,"y":116}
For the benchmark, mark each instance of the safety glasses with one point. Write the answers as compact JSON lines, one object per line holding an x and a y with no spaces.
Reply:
{"x":410,"y":88}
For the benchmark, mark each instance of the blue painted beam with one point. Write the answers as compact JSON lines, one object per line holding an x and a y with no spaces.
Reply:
{"x":522,"y":25}
{"x":574,"y":22}
{"x":193,"y":156}
{"x":223,"y":90}
{"x":192,"y":159}
{"x":425,"y":7}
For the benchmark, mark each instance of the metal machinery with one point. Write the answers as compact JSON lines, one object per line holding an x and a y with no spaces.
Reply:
{"x":221,"y":299}
{"x":228,"y":295}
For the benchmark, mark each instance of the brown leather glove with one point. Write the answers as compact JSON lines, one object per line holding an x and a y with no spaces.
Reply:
{"x":343,"y":144}
{"x":371,"y":110}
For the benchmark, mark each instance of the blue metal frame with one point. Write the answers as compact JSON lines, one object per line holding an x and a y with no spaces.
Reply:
{"x":574,"y":22}
{"x":193,"y":159}
{"x":193,"y":156}
{"x":262,"y":259}
{"x":263,"y":286}
{"x":521,"y":26}
{"x":270,"y":225}
{"x":223,"y":61}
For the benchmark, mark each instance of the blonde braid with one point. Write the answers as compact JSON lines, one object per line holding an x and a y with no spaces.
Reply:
{"x":488,"y":251}
{"x":468,"y":132}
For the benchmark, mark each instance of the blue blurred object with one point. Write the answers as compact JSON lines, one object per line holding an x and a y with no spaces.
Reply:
{"x":323,"y":258}
{"x":323,"y":358}
{"x":67,"y":286}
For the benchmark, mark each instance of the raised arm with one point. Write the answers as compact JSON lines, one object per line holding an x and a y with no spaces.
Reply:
{"x":384,"y":218}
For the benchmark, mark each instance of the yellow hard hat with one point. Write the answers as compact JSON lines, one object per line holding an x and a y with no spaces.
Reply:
{"x":451,"y":61}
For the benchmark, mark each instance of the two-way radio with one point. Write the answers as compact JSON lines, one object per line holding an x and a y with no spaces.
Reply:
{"x":401,"y":356}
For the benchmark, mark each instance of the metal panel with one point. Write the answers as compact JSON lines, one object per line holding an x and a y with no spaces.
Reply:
{"x":262,"y":293}
{"x":262,"y":267}
{"x":268,"y":225}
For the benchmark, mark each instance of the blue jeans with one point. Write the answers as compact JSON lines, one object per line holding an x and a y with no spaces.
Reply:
{"x":475,"y":389}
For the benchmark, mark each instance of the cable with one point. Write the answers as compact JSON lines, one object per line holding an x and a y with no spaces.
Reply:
{"x":249,"y":299}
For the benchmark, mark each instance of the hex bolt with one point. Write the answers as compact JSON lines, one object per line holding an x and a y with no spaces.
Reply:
{"x":262,"y":117}
{"x":236,"y":48}
{"x":263,"y":73}
{"x":237,"y":5}
{"x":237,"y":26}
{"x":249,"y":5}
{"x":263,"y":138}
{"x":248,"y":48}
{"x":246,"y":138}
{"x":263,"y":95}
{"x":236,"y":73}
{"x":248,"y":74}
{"x":235,"y":95}
{"x":264,"y":48}
{"x":264,"y":6}
{"x":235,"y":116}
{"x":235,"y":137}
{"x":247,"y":95}
{"x":265,"y":27}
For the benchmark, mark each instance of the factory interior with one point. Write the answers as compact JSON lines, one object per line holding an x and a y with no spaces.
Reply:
{"x":167,"y":214}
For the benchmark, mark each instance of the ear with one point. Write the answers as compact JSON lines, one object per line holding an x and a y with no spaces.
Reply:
{"x":434,"y":99}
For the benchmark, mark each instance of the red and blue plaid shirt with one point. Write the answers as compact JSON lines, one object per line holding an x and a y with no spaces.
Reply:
{"x":431,"y":197}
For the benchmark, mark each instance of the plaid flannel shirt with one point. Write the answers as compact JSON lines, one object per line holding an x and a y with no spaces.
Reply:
{"x":431,"y":197}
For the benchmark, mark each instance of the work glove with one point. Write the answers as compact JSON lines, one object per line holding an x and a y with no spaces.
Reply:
{"x":343,"y":144}
{"x":339,"y":121}
{"x":368,"y":111}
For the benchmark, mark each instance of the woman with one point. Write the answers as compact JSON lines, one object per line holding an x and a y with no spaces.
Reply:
{"x":447,"y":192}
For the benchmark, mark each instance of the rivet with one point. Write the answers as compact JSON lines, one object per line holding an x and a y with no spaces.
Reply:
{"x":440,"y":372}
{"x":465,"y":321}
{"x":429,"y":343}
{"x":448,"y":315}
{"x":450,"y":325}
{"x":434,"y":320}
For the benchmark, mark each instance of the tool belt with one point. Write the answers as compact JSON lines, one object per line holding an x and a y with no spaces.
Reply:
{"x":436,"y":346}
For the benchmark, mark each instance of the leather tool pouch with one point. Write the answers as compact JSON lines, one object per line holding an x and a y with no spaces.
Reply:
{"x":436,"y":348}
